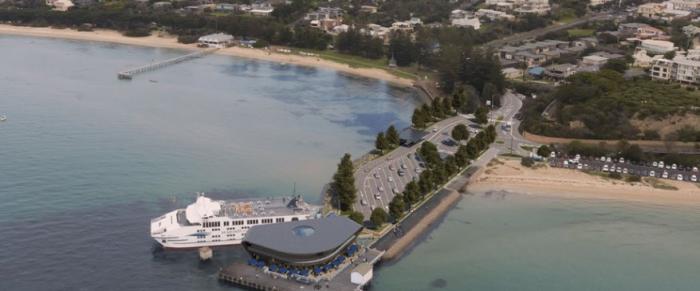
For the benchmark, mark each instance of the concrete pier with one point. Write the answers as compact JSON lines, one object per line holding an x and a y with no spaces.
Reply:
{"x":261,"y":279}
{"x":129,"y":74}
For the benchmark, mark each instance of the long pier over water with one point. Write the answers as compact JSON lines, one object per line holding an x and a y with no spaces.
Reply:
{"x":129,"y":74}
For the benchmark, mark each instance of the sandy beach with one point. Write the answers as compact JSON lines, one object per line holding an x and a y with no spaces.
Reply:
{"x":509,"y":175}
{"x":171,"y":42}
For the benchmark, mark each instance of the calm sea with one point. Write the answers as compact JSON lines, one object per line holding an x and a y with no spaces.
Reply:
{"x":518,"y":242}
{"x":86,"y":161}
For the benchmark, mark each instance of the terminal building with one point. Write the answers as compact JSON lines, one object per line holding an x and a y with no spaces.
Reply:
{"x":217,"y":40}
{"x":302,"y":244}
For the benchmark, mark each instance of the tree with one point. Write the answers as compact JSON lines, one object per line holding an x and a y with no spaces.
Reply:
{"x":428,"y":151}
{"x":343,"y":184}
{"x":460,"y":132}
{"x":481,"y":115}
{"x":411,"y":193}
{"x":670,"y":55}
{"x":618,"y":65}
{"x":544,"y":151}
{"x":357,"y":216}
{"x":402,"y":49}
{"x":378,"y":217}
{"x":418,"y":119}
{"x":462,"y":156}
{"x":381,"y":143}
{"x":392,"y":136}
{"x":397,"y":207}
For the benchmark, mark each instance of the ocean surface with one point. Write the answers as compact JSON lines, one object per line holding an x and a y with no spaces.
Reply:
{"x":86,"y":161}
{"x":502,"y":241}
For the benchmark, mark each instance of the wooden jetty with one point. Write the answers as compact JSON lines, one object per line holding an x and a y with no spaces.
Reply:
{"x":129,"y":74}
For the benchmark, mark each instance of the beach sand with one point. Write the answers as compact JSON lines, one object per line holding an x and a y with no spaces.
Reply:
{"x":171,"y":42}
{"x":509,"y":175}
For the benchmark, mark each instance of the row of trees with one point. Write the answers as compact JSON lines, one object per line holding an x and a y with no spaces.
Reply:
{"x":438,"y":171}
{"x":188,"y":27}
{"x":387,"y":141}
{"x":355,"y":43}
{"x":343,"y":184}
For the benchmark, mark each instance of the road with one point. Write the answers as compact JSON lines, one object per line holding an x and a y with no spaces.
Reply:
{"x":378,"y":181}
{"x":518,"y":37}
{"x":511,"y":139}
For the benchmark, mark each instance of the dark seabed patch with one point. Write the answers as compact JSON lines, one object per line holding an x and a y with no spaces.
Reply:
{"x":438,"y":283}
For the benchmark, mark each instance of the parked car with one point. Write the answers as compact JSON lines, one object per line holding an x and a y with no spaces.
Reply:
{"x":609,"y":160}
{"x":401,"y":173}
{"x":695,"y":169}
{"x":605,"y":168}
{"x":376,"y":175}
{"x":664,"y":175}
{"x":380,"y":189}
{"x":674,"y":166}
{"x":602,"y":159}
{"x":622,"y":160}
{"x":377,"y":196}
{"x":363,"y":202}
{"x":391,"y":179}
{"x":624,"y":171}
{"x":403,"y":166}
{"x":391,"y":167}
{"x":579,"y":166}
{"x":396,"y":191}
{"x":652,"y":174}
{"x":661,"y":164}
{"x":553,"y":155}
{"x":679,"y":177}
{"x":654,"y":164}
{"x":693,"y":178}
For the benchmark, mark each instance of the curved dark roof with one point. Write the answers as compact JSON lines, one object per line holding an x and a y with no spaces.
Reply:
{"x":328,"y":233}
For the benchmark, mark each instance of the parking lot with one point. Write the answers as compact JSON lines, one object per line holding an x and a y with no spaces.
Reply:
{"x":378,"y":181}
{"x":652,"y":169}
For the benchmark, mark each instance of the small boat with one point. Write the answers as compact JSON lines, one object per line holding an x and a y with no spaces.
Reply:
{"x":3,"y":117}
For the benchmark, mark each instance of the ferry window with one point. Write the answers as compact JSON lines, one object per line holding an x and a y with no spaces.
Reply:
{"x":281,"y":219}
{"x":295,"y":219}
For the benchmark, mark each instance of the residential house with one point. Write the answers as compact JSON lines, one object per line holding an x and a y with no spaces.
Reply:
{"x":680,"y":69}
{"x":60,"y":5}
{"x":559,"y":71}
{"x":657,"y":46}
{"x":261,"y":9}
{"x":641,"y":31}
{"x":368,"y":9}
{"x":512,"y":73}
{"x":595,"y":3}
{"x":494,"y":15}
{"x":643,"y":60}
{"x":467,"y":22}
{"x":534,"y":53}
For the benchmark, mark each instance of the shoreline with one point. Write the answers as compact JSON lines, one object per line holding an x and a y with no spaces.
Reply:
{"x":155,"y":41}
{"x":425,"y":224}
{"x":510,"y":176}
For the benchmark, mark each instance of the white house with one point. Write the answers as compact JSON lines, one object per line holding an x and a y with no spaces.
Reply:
{"x":219,"y":40}
{"x":657,"y":46}
{"x":362,"y":274}
{"x":467,"y":21}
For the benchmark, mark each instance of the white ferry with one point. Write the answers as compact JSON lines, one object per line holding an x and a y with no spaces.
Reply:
{"x":210,"y":223}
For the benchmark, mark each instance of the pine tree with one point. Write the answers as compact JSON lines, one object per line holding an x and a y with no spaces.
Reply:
{"x":343,"y":184}
{"x":378,"y":217}
{"x":418,"y":119}
{"x":392,"y":136}
{"x":381,"y":143}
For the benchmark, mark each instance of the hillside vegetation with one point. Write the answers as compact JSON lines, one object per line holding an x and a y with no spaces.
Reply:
{"x":604,"y":105}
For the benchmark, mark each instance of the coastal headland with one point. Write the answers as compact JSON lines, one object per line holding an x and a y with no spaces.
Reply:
{"x":155,"y":41}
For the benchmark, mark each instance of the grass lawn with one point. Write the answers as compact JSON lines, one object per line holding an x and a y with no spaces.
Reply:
{"x":580,"y":32}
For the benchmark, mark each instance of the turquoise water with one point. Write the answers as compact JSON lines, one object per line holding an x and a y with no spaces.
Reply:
{"x":86,"y":160}
{"x":518,"y":242}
